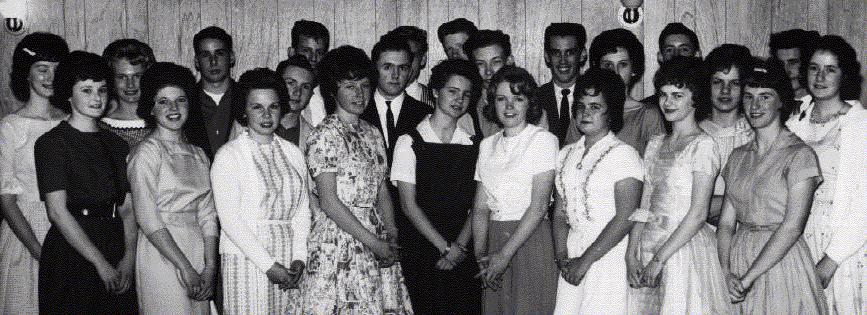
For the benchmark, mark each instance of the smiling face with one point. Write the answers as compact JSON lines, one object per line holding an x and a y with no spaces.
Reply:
{"x":40,"y":77}
{"x":126,"y":80}
{"x":562,"y":57}
{"x":591,"y":112}
{"x":725,"y":89}
{"x":454,"y":45}
{"x":791,"y":59}
{"x":489,"y":60}
{"x":171,"y":107}
{"x":89,"y":98}
{"x":676,"y":102}
{"x":677,"y":45}
{"x":762,"y":106}
{"x":824,"y":75}
{"x":263,"y":112}
{"x":453,"y":98}
{"x":511,"y":108}
{"x":619,"y":63}
{"x":214,"y":59}
{"x":393,"y":68}
{"x":353,"y":95}
{"x":299,"y":83}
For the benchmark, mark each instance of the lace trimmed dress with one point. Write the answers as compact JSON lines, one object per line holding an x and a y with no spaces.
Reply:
{"x":19,"y":272}
{"x":342,"y":275}
{"x":691,"y":281}
{"x":759,"y":190}
{"x":131,"y":131}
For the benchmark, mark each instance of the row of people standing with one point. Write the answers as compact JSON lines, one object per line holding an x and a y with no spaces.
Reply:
{"x":508,"y":240}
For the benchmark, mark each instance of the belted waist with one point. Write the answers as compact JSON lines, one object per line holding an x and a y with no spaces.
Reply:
{"x":757,"y":227}
{"x":106,"y":211}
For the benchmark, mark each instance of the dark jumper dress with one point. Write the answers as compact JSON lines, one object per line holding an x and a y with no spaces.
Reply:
{"x":445,"y":190}
{"x":91,"y":168}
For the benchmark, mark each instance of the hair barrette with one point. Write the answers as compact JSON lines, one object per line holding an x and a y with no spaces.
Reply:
{"x":762,"y":70}
{"x":29,"y":52}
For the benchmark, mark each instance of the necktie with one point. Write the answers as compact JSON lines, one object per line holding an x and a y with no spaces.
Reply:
{"x":389,"y":121}
{"x":564,"y":114}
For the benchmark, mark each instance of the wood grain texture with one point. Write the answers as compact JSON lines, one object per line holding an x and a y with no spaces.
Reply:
{"x":214,"y":12}
{"x":512,"y":21}
{"x":290,"y":11}
{"x":356,"y":28}
{"x":43,"y":15}
{"x":74,"y":26}
{"x":137,"y":19}
{"x":657,"y":14}
{"x":710,"y":24}
{"x":255,"y":34}
{"x":437,"y":14}
{"x":386,"y":16}
{"x":190,"y":19}
{"x":749,"y":23}
{"x":106,"y":22}
{"x":849,"y":21}
{"x":165,"y":33}
{"x":539,"y":15}
{"x":414,"y":12}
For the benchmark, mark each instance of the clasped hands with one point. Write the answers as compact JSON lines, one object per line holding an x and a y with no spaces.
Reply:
{"x":491,"y":269}
{"x":643,"y":276}
{"x":573,"y":270}
{"x":117,"y":280}
{"x":386,"y":252}
{"x":286,"y":278}
{"x":452,"y":256}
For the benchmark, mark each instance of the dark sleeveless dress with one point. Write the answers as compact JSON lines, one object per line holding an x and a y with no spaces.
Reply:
{"x":444,"y":191}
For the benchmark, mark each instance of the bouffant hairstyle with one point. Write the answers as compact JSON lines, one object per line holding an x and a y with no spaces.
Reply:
{"x":342,"y":63}
{"x":132,"y":50}
{"x":258,"y":79}
{"x":459,"y":25}
{"x":676,"y":28}
{"x":485,"y":38}
{"x":520,"y":83}
{"x":158,"y":76}
{"x":446,"y":69}
{"x":688,"y":73}
{"x":298,"y":61}
{"x":214,"y":32}
{"x":771,"y":74}
{"x":598,"y":81}
{"x":311,"y":29}
{"x":847,"y":60}
{"x":608,"y":41}
{"x":31,"y":49}
{"x":76,"y":67}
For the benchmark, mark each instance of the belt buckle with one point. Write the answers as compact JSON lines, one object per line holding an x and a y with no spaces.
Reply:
{"x":84,"y":212}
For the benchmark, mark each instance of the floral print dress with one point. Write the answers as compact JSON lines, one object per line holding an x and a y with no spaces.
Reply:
{"x":342,"y":275}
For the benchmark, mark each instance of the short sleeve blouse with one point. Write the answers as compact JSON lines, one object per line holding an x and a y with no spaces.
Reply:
{"x":403,"y":163}
{"x":506,"y":166}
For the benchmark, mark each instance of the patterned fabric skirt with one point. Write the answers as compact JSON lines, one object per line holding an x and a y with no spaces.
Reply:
{"x":529,"y":284}
{"x":789,"y":287}
{"x":19,"y":272}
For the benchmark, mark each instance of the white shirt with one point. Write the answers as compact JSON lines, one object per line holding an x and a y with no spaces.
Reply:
{"x":315,"y":110}
{"x":727,"y":139}
{"x":382,"y":109}
{"x":506,"y":167}
{"x":403,"y":163}
{"x":414,"y":90}
{"x":558,"y":95}
{"x":215,"y":97}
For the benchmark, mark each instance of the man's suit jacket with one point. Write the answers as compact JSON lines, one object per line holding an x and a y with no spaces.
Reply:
{"x":550,"y":104}
{"x":412,"y":112}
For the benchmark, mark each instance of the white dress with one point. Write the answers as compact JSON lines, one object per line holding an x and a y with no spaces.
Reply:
{"x":19,"y":272}
{"x":587,"y":182}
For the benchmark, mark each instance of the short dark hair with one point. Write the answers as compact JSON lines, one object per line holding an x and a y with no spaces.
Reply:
{"x":161,"y":75}
{"x":847,"y":59}
{"x":771,"y":74}
{"x":298,"y":61}
{"x":312,"y":29}
{"x":413,"y":34}
{"x":565,"y":29}
{"x":521,"y":83}
{"x":675,"y":28}
{"x":686,"y":72}
{"x":608,"y":41}
{"x":448,"y":68}
{"x":390,"y":43}
{"x":342,"y":63}
{"x":77,"y":66}
{"x":793,"y":38}
{"x":607,"y":83}
{"x":31,"y":49}
{"x":214,"y":32}
{"x":459,"y":25}
{"x":726,"y":56}
{"x":485,"y":38}
{"x":255,"y":79}
{"x":132,"y":50}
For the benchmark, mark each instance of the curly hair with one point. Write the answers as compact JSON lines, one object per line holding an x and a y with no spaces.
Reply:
{"x":847,"y":60}
{"x":771,"y":74}
{"x":158,"y":76}
{"x":446,"y":69}
{"x":688,"y":73}
{"x":608,"y":84}
{"x":76,"y":67}
{"x":31,"y":49}
{"x":258,"y":79}
{"x":520,"y":83}
{"x":132,"y":50}
{"x":342,"y":63}
{"x":608,"y":41}
{"x":677,"y":28}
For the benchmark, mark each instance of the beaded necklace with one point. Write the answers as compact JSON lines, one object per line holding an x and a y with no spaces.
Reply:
{"x":587,"y":180}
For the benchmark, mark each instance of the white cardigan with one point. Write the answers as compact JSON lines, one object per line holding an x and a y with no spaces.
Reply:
{"x":238,"y":192}
{"x":849,"y":220}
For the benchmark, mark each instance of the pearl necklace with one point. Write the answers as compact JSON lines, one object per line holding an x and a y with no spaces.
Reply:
{"x":587,"y":181}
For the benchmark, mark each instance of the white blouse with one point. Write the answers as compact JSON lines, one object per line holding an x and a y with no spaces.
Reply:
{"x":506,"y":166}
{"x":403,"y":163}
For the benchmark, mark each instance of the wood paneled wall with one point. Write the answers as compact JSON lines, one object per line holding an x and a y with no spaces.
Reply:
{"x":261,"y":28}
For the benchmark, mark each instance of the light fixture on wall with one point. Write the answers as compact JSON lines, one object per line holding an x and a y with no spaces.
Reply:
{"x":630,"y":14}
